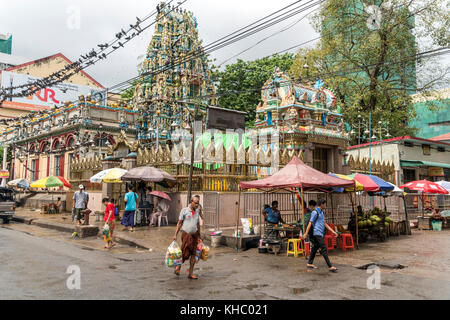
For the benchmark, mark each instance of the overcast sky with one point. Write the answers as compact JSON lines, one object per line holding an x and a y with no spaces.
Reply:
{"x":40,"y":28}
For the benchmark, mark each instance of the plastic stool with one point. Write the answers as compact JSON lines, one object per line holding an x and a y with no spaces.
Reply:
{"x":330,"y":242}
{"x":307,"y":248}
{"x":347,"y":242}
{"x":301,"y":247}
{"x":295,"y":243}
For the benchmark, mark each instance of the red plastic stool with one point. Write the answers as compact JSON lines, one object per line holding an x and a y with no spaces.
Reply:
{"x":328,"y":232}
{"x":330,"y":242}
{"x":347,"y":241}
{"x":306,"y":247}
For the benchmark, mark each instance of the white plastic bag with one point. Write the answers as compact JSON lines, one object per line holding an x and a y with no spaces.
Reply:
{"x":174,"y":256}
{"x":245,"y":225}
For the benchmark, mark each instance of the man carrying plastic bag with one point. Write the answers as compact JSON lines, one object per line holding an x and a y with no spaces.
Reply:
{"x":189,"y":223}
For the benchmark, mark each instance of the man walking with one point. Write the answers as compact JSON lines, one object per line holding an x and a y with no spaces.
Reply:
{"x":80,"y":202}
{"x":189,"y":223}
{"x":317,"y":222}
{"x":130,"y":208}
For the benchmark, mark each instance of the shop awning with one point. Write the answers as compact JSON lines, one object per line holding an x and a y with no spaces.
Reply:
{"x":408,"y":163}
{"x":411,"y":163}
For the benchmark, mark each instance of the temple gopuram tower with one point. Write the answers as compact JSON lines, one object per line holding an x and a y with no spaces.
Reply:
{"x":174,"y":77}
{"x":307,"y":120}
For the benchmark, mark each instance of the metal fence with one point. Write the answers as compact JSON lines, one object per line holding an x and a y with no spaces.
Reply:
{"x":339,"y":206}
{"x":211,"y":202}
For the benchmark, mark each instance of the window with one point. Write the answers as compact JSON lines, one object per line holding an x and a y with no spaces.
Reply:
{"x":441,"y":149}
{"x":408,"y":144}
{"x":33,"y":169}
{"x":320,"y":159}
{"x":409,"y":175}
{"x":426,"y":150}
{"x":57,"y":165}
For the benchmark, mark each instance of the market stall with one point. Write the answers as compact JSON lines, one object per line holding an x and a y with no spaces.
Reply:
{"x":430,"y":221}
{"x":375,"y":222}
{"x":148,"y":174}
{"x":296,"y":177}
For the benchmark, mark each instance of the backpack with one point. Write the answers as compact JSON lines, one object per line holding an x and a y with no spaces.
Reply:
{"x":311,"y":230}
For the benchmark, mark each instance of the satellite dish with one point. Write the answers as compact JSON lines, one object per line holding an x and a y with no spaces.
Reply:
{"x":375,"y":17}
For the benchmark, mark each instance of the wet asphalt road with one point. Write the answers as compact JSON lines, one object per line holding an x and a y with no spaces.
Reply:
{"x":34,"y":261}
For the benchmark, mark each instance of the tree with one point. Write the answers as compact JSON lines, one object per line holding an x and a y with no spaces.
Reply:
{"x":128,"y":94}
{"x":239,"y":85}
{"x":368,"y":56}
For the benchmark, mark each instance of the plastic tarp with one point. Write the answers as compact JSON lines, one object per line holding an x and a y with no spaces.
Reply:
{"x":297,"y":174}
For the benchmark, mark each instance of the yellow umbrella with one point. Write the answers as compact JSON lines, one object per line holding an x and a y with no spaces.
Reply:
{"x":359,"y":186}
{"x":114,"y":175}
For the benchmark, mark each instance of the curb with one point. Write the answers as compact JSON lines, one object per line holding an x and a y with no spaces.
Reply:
{"x":21,"y":219}
{"x":54,"y":225}
{"x":122,"y":239}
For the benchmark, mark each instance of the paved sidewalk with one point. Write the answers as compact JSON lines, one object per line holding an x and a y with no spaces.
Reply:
{"x":154,"y":238}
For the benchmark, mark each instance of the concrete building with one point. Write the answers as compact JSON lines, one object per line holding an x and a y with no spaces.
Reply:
{"x":413,"y":158}
{"x":433,"y":113}
{"x":20,"y":72}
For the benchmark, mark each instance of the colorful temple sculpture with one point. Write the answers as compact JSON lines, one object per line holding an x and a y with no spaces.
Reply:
{"x":47,"y":142}
{"x":85,"y":137}
{"x":174,"y":77}
{"x":307,"y":119}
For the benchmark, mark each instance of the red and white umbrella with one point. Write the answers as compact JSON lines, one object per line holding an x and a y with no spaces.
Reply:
{"x":161,"y":194}
{"x":425,"y":186}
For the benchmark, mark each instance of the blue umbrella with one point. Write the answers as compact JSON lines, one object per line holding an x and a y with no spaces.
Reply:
{"x":19,"y":183}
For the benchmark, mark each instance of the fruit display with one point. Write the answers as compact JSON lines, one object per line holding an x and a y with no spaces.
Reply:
{"x":374,"y":219}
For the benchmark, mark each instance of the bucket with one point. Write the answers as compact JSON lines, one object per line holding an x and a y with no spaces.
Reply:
{"x":215,"y":241}
{"x":437,"y":225}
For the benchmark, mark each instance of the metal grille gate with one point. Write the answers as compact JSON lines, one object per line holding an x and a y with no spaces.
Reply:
{"x":211,"y":202}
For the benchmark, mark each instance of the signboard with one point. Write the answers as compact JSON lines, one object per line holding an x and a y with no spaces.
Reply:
{"x":435,"y":172}
{"x":223,"y":119}
{"x":50,"y":96}
{"x":4,"y":174}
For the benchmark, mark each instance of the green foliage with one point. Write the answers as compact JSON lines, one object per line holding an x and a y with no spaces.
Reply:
{"x":369,"y":70}
{"x":239,"y":85}
{"x":8,"y":156}
{"x":129,"y":93}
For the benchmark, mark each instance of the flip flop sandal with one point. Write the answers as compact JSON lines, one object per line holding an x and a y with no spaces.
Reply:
{"x":177,"y":272}
{"x":312,"y":267}
{"x":193,"y":277}
{"x":333,"y":270}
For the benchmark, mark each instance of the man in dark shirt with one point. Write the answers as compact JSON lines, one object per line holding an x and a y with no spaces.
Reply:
{"x":273,"y":215}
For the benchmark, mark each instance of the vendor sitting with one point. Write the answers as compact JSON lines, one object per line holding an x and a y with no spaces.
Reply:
{"x":272,"y":214}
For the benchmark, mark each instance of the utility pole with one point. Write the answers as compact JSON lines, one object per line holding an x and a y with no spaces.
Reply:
{"x":191,"y":167}
{"x":370,"y":150}
{"x":5,"y":150}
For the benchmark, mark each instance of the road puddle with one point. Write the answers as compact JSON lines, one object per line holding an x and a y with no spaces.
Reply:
{"x":123,"y":259}
{"x":299,"y":290}
{"x":255,"y":286}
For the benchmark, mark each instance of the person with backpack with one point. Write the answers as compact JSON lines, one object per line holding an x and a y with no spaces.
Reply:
{"x":317,"y":223}
{"x":130,"y":208}
{"x":311,"y":206}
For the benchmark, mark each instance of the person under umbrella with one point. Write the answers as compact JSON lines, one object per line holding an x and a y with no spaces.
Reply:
{"x":162,"y":206}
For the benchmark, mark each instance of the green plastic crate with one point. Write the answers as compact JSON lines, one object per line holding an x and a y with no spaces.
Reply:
{"x":437,"y":225}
